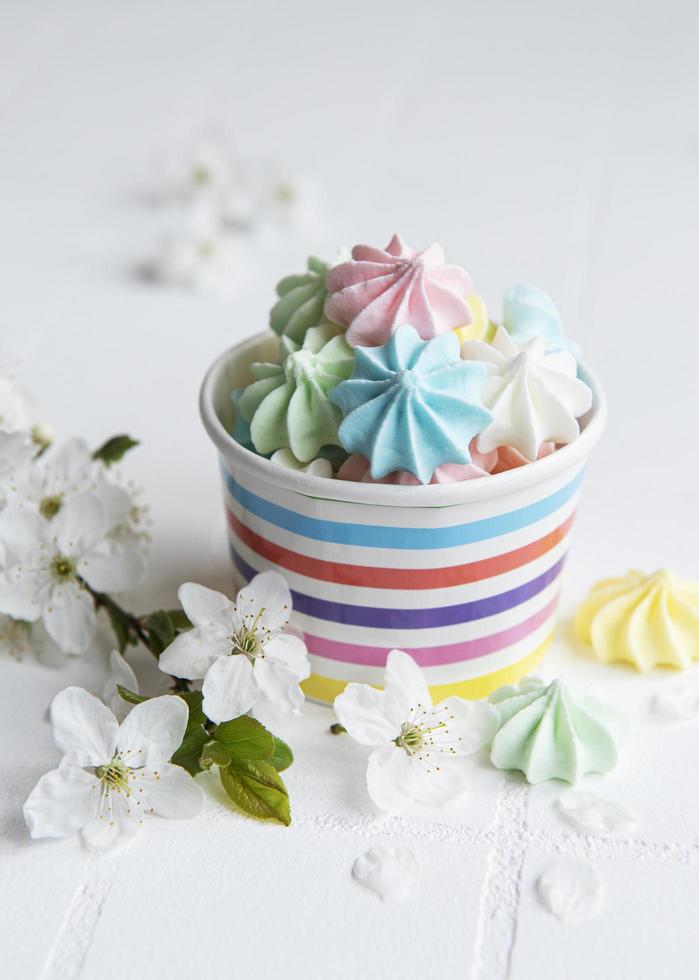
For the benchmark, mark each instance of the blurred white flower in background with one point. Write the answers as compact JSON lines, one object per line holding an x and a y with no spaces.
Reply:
{"x":221,"y":208}
{"x":200,"y":254}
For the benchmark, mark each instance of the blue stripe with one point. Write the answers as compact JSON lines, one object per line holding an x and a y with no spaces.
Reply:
{"x":381,"y":536}
{"x":411,"y":619}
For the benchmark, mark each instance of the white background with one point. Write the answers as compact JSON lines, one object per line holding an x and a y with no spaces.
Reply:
{"x":546,"y":142}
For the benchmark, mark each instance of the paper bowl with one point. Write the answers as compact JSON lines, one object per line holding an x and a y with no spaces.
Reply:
{"x":465,"y":577}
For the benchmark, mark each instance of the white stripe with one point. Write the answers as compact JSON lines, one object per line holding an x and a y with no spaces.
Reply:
{"x":436,"y":636}
{"x":407,"y":517}
{"x":403,"y":557}
{"x":443,"y":673}
{"x":406,"y":598}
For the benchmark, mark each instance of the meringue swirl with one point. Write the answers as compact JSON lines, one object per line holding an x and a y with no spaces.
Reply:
{"x":379,"y":290}
{"x":287,"y":404}
{"x":411,"y":404}
{"x":643,"y":620}
{"x":301,"y":301}
{"x":546,"y":733}
{"x":535,"y":396}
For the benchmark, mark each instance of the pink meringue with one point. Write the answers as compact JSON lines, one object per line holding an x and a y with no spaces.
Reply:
{"x":510,"y":458}
{"x":381,"y":289}
{"x":356,"y":469}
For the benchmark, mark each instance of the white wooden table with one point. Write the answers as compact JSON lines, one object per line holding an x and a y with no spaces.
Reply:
{"x":556,"y":144}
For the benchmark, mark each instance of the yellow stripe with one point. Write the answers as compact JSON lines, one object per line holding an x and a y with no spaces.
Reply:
{"x":326,"y":689}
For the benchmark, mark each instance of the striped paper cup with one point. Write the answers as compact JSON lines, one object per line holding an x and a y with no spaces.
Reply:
{"x":465,"y":577}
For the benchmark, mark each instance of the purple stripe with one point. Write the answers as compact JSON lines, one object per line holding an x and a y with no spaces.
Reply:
{"x":411,"y":619}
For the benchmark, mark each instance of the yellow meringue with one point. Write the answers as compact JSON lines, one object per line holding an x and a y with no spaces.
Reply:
{"x":644,"y":620}
{"x":479,"y":326}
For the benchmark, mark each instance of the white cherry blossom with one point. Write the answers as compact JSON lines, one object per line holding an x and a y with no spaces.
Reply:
{"x":420,"y":747}
{"x":50,"y":563}
{"x":112,"y":775}
{"x":16,"y":407}
{"x":240,"y":648}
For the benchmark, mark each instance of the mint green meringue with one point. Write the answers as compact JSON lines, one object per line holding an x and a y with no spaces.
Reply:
{"x":287,"y":404}
{"x":547,"y":733}
{"x":301,"y":301}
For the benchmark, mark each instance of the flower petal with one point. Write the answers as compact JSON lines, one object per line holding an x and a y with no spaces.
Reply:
{"x":121,"y":674}
{"x":118,"y":822}
{"x":471,"y":725}
{"x":268,"y":592}
{"x":84,"y":728}
{"x":404,"y":681}
{"x":61,"y":802}
{"x":80,"y":524}
{"x":435,"y":786}
{"x":170,"y":791}
{"x":153,"y":731}
{"x":366,"y":714}
{"x":291,"y":651}
{"x":70,"y":618}
{"x":278,"y":684}
{"x":18,"y":594}
{"x":205,"y":607}
{"x":21,"y":534}
{"x":229,"y":689}
{"x":191,"y":654}
{"x":113,"y":566}
{"x":391,"y":778}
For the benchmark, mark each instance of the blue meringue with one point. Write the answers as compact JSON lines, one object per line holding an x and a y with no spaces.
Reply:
{"x":529,"y":312}
{"x":412,"y":404}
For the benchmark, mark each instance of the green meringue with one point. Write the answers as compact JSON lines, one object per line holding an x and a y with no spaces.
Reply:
{"x":287,"y":404}
{"x":547,"y":733}
{"x":301,"y":301}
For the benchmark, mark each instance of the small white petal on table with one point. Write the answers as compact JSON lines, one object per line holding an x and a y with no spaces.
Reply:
{"x":571,"y":891}
{"x":590,"y":812}
{"x":392,"y":873}
{"x":678,"y":702}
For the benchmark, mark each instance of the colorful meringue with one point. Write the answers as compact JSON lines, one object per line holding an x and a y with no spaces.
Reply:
{"x":316,"y":467}
{"x":643,"y":620}
{"x":357,"y":468}
{"x":546,"y":733}
{"x":287,"y":404}
{"x":411,"y":404}
{"x":379,"y":290}
{"x":480,"y":326}
{"x":535,"y":397}
{"x":509,"y":458}
{"x":301,"y":301}
{"x":529,"y":312}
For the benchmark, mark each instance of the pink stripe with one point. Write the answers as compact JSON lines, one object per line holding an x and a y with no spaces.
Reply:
{"x":452,"y":653}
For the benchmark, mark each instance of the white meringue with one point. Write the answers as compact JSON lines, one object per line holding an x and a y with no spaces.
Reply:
{"x":534,"y":396}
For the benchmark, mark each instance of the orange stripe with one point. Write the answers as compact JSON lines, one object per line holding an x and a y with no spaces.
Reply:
{"x":398,"y":578}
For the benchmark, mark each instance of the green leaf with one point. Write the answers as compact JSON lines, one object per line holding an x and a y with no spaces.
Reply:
{"x":282,"y":757}
{"x":114,"y":449}
{"x":193,"y":700}
{"x":245,"y":738}
{"x":189,"y":753}
{"x":130,"y":696}
{"x":214,"y":754}
{"x":178,"y":618}
{"x":161,"y":631}
{"x":257,"y":789}
{"x":121,"y":625}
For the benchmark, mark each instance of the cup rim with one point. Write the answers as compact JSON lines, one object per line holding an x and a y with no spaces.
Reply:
{"x":431,"y":495}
